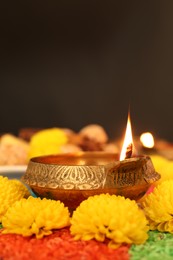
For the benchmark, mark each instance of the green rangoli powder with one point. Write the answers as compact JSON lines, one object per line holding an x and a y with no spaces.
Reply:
{"x":159,"y":246}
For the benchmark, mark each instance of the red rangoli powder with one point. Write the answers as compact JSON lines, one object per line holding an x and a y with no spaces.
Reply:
{"x":60,"y":245}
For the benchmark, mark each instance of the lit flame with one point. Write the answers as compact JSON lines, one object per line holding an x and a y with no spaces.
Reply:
{"x":128,"y":140}
{"x":147,"y":140}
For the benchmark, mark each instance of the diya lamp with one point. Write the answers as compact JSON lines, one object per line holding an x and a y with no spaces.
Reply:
{"x":146,"y":144}
{"x":132,"y":174}
{"x":147,"y":140}
{"x":71,"y":178}
{"x":150,"y":146}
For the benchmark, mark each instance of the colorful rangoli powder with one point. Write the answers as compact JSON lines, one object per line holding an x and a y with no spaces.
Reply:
{"x":59,"y":245}
{"x":159,"y":246}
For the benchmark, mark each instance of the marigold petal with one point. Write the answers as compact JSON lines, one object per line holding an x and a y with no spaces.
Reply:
{"x":109,"y":216}
{"x":11,"y":191}
{"x":158,"y":207}
{"x":35,"y":216}
{"x":47,"y":141}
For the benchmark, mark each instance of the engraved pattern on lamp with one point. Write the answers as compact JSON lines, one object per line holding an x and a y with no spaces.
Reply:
{"x":65,"y":177}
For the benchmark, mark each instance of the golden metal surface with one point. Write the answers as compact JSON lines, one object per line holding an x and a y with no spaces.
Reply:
{"x":72,"y":178}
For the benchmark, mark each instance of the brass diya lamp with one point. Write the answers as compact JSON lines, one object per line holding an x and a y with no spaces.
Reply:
{"x":71,"y":178}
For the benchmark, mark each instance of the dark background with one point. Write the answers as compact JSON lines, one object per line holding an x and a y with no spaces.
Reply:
{"x":72,"y":63}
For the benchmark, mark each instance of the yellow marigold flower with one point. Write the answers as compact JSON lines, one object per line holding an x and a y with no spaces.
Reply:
{"x":35,"y":216}
{"x":11,"y":191}
{"x":158,"y":207}
{"x":164,"y":167}
{"x":109,"y":216}
{"x":47,"y":141}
